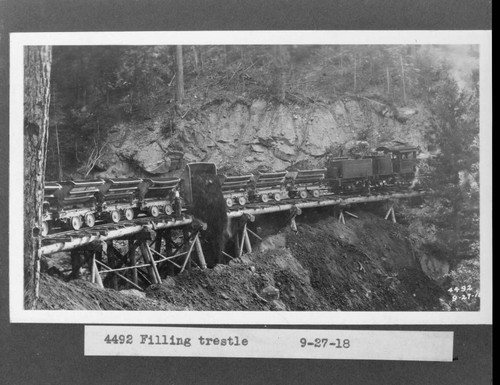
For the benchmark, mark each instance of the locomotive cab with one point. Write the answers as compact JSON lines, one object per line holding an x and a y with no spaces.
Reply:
{"x":404,"y":158}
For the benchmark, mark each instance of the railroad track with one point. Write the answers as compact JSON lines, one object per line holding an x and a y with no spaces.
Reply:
{"x":68,"y":240}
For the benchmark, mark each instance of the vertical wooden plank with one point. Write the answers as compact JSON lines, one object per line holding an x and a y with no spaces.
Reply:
{"x":168,"y":251}
{"x":248,"y":244}
{"x":112,"y":263}
{"x":147,"y":259}
{"x":159,"y":236}
{"x":393,"y":215}
{"x":97,"y":275}
{"x":236,"y":244}
{"x":188,"y":254}
{"x":341,"y":217}
{"x":199,"y":251}
{"x":240,"y":252}
{"x":91,"y":268}
{"x":132,"y":259}
{"x":388,"y":212}
{"x":76,"y":263}
{"x":153,"y":264}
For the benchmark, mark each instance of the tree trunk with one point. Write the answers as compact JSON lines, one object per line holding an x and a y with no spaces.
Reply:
{"x":180,"y":74}
{"x":196,"y":59}
{"x":403,"y":79}
{"x":58,"y":146}
{"x":388,"y":81}
{"x":59,"y":161}
{"x":280,"y":59}
{"x":355,"y":80}
{"x":37,"y":63}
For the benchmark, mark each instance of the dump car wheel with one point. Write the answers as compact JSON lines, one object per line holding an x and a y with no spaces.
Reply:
{"x":242,"y":201}
{"x":168,"y":209}
{"x":229,"y":202}
{"x":315,"y":193}
{"x":303,"y":194}
{"x":154,"y":211}
{"x":76,"y":223}
{"x":129,"y":214}
{"x":277,"y":197}
{"x":45,"y":228}
{"x":90,"y":220}
{"x":115,"y":216}
{"x":264,"y":198}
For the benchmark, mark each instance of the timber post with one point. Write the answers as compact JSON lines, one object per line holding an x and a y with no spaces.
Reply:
{"x":294,"y":211}
{"x":243,"y":242}
{"x":341,"y":216}
{"x":391,"y":213}
{"x":132,"y":259}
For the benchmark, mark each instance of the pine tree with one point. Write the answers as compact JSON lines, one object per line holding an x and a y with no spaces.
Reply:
{"x":37,"y":65}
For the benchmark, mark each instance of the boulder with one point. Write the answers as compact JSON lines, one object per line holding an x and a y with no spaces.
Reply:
{"x":433,"y":267}
{"x":284,"y":152}
{"x":270,"y":293}
{"x":257,"y":148}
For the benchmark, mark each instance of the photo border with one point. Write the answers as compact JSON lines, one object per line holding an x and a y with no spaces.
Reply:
{"x":19,"y":40}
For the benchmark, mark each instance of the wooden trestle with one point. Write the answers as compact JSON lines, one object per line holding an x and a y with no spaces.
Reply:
{"x":155,"y":250}
{"x":247,"y":214}
{"x":156,"y":247}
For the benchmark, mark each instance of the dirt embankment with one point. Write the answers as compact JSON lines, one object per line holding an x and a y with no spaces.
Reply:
{"x":366,"y":264}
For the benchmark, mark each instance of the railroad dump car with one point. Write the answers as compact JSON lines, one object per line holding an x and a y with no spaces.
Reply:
{"x":49,"y":198}
{"x":157,"y":195}
{"x":118,"y":197}
{"x":303,"y":183}
{"x":268,"y":185}
{"x":71,"y":203}
{"x":50,"y":209}
{"x":235,"y":188}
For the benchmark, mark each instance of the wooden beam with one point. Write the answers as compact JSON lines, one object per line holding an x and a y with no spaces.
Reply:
{"x":255,"y":235}
{"x":188,"y":255}
{"x":109,"y":232}
{"x":240,"y":253}
{"x":199,"y":251}
{"x":248,"y":245}
{"x":388,"y":213}
{"x":122,"y":277}
{"x":146,"y":255}
{"x":341,"y":217}
{"x":97,"y":276}
{"x":91,"y":268}
{"x":227,"y":255}
{"x":132,"y":258}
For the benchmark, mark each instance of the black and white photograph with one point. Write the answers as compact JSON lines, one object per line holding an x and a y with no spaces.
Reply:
{"x":313,"y":179}
{"x":234,"y":192}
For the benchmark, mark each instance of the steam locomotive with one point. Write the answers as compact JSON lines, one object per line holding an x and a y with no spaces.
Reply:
{"x":73,"y":204}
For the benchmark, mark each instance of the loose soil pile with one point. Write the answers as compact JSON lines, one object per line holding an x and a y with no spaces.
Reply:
{"x":366,"y":264}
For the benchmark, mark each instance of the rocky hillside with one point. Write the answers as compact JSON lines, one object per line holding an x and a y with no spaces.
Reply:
{"x":240,"y":135}
{"x":115,"y":111}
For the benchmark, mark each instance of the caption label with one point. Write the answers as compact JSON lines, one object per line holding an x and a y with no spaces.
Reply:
{"x":108,"y":340}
